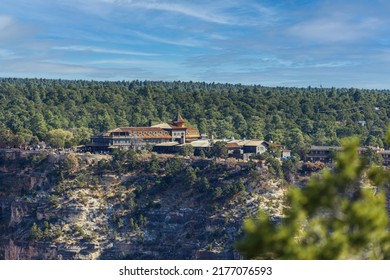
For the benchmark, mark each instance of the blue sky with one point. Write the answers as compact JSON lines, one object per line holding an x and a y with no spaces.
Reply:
{"x":273,"y":43}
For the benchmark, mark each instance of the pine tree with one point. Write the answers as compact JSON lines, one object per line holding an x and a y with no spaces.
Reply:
{"x":190,"y":176}
{"x":35,"y":232}
{"x":337,"y":215}
{"x":153,"y":165}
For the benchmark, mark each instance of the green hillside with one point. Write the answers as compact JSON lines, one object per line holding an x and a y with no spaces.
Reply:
{"x":292,"y":116}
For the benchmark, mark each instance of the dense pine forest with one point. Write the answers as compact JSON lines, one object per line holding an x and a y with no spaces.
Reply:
{"x":295,"y":117}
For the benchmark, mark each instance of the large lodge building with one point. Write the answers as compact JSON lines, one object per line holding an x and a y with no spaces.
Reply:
{"x":172,"y":137}
{"x":139,"y":137}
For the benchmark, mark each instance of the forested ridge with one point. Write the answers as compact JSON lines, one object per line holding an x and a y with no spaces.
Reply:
{"x":291,"y":116}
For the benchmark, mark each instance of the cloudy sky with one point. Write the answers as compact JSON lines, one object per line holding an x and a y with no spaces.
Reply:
{"x":339,"y":43}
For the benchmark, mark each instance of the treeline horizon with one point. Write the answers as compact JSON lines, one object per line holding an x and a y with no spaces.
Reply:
{"x":295,"y":117}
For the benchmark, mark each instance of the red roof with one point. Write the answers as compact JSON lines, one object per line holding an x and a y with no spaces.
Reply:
{"x":131,"y":129}
{"x":232,"y":145}
{"x":272,"y":144}
{"x":142,"y":132}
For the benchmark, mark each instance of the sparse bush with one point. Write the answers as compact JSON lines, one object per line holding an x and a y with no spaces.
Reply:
{"x":217,"y":193}
{"x":83,"y":198}
{"x":58,"y":233}
{"x":53,"y":201}
{"x":70,"y":163}
{"x":120,"y":223}
{"x":79,"y":230}
{"x":38,"y":159}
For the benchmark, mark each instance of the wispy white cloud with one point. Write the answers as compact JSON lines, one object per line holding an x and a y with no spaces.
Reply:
{"x":333,"y":64}
{"x":7,"y":54}
{"x":199,"y":12}
{"x":29,"y":67}
{"x":102,"y":50}
{"x":333,"y":30}
{"x":187,"y":42}
{"x":218,"y":12}
{"x":263,"y":61}
{"x":134,"y":62}
{"x":275,"y":62}
{"x":329,"y":22}
{"x":11,"y":29}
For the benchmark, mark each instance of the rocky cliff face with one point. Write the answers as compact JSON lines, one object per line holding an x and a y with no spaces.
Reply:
{"x":69,"y":207}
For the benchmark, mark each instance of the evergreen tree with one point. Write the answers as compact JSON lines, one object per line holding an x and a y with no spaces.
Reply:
{"x":190,"y":176}
{"x":219,"y":149}
{"x":290,"y":168}
{"x":204,"y":185}
{"x":82,"y":135}
{"x":372,"y":156}
{"x":35,"y":232}
{"x":153,"y":165}
{"x":39,"y":126}
{"x":335,"y":216}
{"x":187,"y":150}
